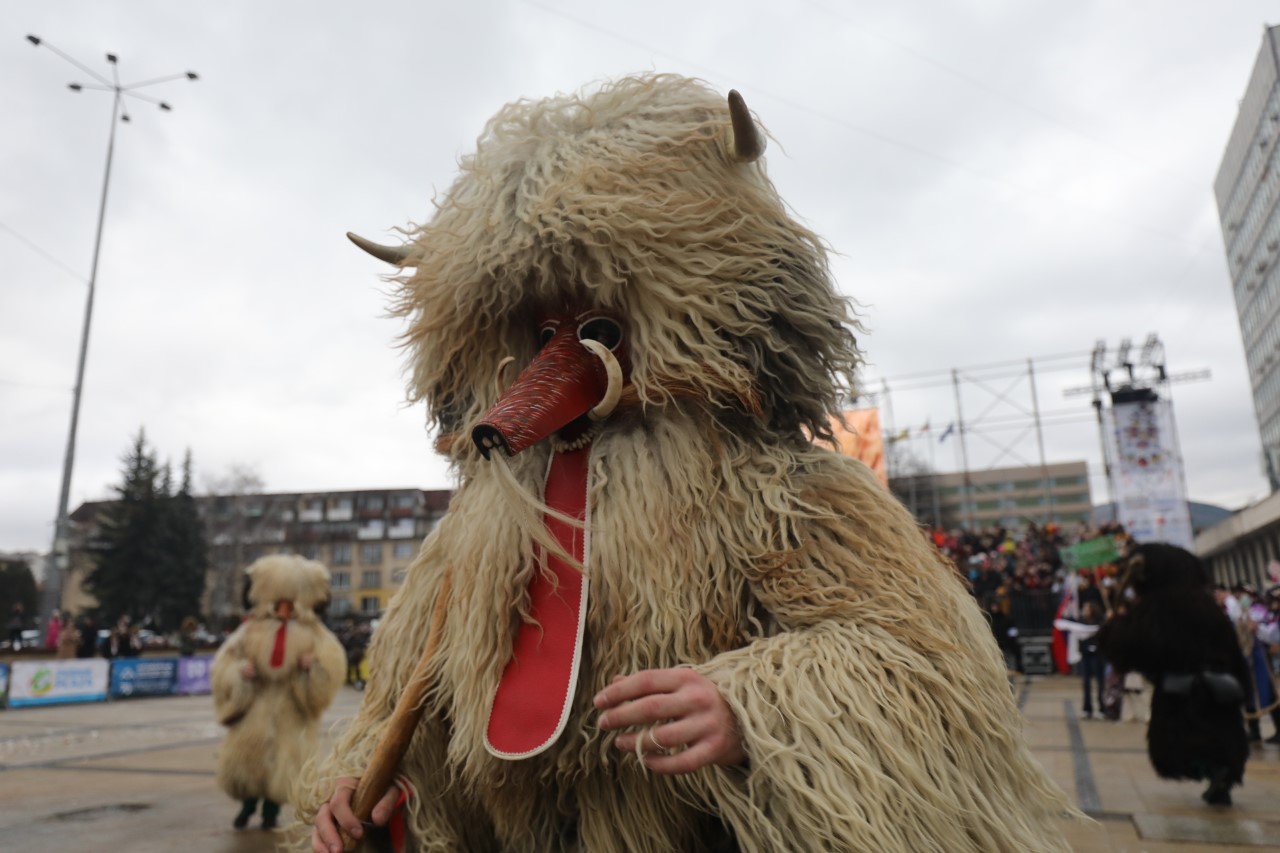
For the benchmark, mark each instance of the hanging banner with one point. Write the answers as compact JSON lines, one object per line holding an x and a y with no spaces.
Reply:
{"x":52,"y":682}
{"x":1151,"y":501}
{"x":860,"y":436}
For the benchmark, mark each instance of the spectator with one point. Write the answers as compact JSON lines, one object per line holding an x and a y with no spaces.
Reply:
{"x":113,"y":646}
{"x":1082,"y":652}
{"x":1006,"y":636}
{"x":54,"y":630}
{"x":88,"y":644}
{"x":68,"y":641}
{"x":187,"y":637}
{"x":17,"y":620}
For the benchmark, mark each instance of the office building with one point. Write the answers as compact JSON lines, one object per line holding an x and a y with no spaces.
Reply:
{"x":1247,"y":189}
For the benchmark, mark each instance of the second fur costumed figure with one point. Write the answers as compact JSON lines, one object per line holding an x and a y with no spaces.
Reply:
{"x":272,"y":680}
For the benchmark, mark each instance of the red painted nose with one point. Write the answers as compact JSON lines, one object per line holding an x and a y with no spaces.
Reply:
{"x":562,"y":383}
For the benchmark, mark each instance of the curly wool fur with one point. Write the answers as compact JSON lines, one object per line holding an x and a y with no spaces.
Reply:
{"x":273,"y":718}
{"x":869,"y":693}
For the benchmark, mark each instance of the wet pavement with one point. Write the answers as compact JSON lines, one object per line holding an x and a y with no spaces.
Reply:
{"x":138,"y":776}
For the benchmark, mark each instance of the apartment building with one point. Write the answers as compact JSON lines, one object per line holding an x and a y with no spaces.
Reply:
{"x":367,"y":538}
{"x":1011,"y":497}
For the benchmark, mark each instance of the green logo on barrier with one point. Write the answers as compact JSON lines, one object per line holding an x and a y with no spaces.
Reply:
{"x":41,"y":681}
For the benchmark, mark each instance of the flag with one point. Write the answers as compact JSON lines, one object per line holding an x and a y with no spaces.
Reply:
{"x":951,"y":427}
{"x":925,"y":428}
{"x":902,"y":436}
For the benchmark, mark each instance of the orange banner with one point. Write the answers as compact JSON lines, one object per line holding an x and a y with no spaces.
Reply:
{"x":860,"y":436}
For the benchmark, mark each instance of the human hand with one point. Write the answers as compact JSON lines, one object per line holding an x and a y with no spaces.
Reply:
{"x":685,"y":723}
{"x":336,"y":816}
{"x":248,"y":672}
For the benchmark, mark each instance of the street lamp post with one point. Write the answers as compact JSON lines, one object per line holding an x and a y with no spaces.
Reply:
{"x":57,"y":565}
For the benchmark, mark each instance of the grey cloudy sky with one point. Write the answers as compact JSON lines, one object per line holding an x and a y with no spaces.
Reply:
{"x":1001,"y":180}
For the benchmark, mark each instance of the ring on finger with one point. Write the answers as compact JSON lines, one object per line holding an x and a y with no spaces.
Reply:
{"x":653,"y":738}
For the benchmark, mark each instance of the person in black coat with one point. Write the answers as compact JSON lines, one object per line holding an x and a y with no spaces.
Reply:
{"x":1177,"y":637}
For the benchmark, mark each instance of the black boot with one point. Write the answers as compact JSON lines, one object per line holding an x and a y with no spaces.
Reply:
{"x":1255,"y":731}
{"x":270,"y":814}
{"x":247,"y":808}
{"x":1219,"y":791}
{"x":1275,"y":721}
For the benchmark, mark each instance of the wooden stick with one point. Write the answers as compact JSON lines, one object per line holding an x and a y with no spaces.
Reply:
{"x":404,"y":720}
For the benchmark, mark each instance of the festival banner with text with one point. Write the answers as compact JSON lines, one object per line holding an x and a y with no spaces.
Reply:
{"x":1150,"y":498}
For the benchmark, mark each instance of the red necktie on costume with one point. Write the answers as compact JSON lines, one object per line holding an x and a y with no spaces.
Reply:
{"x":277,"y":652}
{"x":532,"y":703}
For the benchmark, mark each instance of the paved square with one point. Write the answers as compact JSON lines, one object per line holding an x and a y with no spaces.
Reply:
{"x":138,"y":776}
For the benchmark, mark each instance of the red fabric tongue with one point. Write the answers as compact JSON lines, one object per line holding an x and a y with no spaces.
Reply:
{"x":532,"y":702}
{"x":277,"y":652}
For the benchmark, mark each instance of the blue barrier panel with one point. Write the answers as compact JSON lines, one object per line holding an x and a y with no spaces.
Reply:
{"x":4,"y":685}
{"x":53,"y":682}
{"x":143,"y":676}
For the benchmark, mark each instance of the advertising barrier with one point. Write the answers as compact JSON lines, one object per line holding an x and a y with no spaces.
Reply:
{"x":193,"y":675}
{"x":143,"y":676}
{"x":52,"y":682}
{"x":4,"y":684}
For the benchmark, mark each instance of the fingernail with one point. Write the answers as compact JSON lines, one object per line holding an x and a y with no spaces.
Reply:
{"x":603,"y":722}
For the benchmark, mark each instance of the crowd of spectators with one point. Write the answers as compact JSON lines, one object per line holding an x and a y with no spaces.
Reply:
{"x":999,"y":562}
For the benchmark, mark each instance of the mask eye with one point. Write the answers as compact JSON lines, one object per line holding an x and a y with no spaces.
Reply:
{"x":602,"y":329}
{"x":545,"y":334}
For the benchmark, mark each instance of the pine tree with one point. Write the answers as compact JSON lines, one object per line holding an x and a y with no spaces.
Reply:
{"x":186,"y":546}
{"x":150,"y":556}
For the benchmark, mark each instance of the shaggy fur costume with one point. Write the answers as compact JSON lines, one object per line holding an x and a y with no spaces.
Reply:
{"x":868,"y":690}
{"x":273,"y":719}
{"x":1175,"y":627}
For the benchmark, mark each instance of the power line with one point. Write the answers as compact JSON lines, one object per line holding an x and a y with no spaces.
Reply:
{"x":879,"y":136}
{"x":31,"y":244}
{"x":997,"y":93}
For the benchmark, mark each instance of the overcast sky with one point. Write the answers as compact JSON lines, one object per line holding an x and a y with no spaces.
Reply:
{"x":1003,"y":181}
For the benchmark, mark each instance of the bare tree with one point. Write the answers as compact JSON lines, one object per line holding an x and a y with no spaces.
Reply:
{"x":234,"y":516}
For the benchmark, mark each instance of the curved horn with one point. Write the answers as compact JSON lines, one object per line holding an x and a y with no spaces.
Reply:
{"x":748,"y":142}
{"x":613,"y":371}
{"x":398,"y":255}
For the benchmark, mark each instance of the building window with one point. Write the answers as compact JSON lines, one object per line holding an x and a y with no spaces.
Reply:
{"x":369,"y":605}
{"x":408,"y":501}
{"x":402,"y":529}
{"x":340,"y":509}
{"x":398,"y":576}
{"x":402,"y":550}
{"x":370,"y":580}
{"x":340,"y":607}
{"x":340,"y":580}
{"x":341,"y":554}
{"x":373,"y":502}
{"x":373,"y":528}
{"x":371,"y":553}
